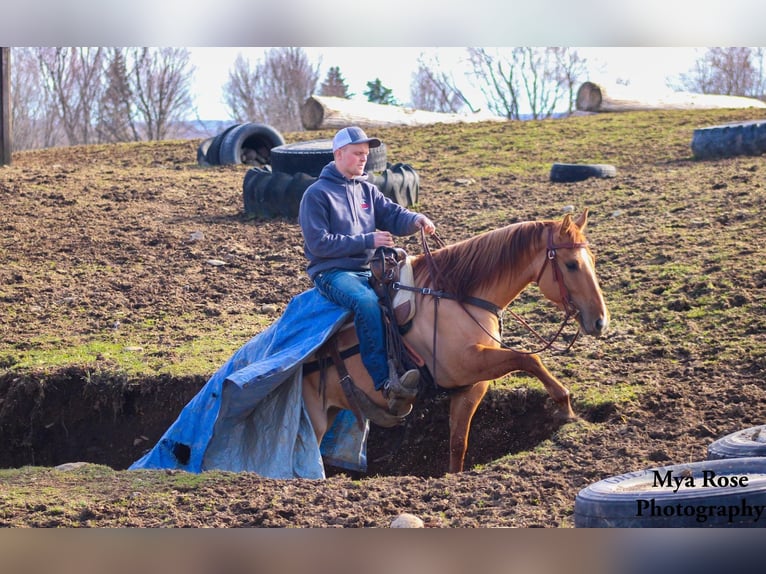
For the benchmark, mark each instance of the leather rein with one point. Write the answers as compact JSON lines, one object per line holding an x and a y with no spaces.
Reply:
{"x":569,"y":309}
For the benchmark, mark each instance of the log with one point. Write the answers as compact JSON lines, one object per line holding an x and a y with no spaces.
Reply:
{"x":593,"y":97}
{"x":325,"y":112}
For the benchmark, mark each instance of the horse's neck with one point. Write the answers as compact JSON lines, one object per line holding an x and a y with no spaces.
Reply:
{"x":508,"y":286}
{"x":504,"y":276}
{"x":513,"y":279}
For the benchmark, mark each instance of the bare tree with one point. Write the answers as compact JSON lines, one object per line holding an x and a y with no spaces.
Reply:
{"x":91,"y":95}
{"x":287,"y":81}
{"x":273,"y":90}
{"x":435,"y":90}
{"x":733,"y":71}
{"x":72,"y":79}
{"x":116,"y":116}
{"x":34,"y":118}
{"x":571,"y":71}
{"x":334,"y":84}
{"x":160,"y":84}
{"x":241,"y":90}
{"x":526,"y":78}
{"x":498,"y":79}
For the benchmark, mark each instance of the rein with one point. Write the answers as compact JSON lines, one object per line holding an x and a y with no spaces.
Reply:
{"x":569,"y":309}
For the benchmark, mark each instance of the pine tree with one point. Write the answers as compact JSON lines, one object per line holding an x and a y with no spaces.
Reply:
{"x":377,"y":93}
{"x":334,"y":84}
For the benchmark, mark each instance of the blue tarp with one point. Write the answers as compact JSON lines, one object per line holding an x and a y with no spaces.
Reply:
{"x":250,"y":415}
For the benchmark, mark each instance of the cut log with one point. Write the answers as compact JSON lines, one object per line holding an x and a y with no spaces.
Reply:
{"x":594,"y":98}
{"x":325,"y":112}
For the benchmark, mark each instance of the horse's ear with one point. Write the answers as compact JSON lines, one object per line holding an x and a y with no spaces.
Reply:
{"x":566,"y":223}
{"x":582,"y":220}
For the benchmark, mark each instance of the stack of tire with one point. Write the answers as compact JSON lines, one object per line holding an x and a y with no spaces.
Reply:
{"x":248,"y":143}
{"x":729,"y":140}
{"x":276,"y":191}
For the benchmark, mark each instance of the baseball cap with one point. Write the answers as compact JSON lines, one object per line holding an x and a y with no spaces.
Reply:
{"x":352,"y":135}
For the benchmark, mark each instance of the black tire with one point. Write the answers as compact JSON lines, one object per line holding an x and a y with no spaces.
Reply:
{"x":729,"y":140}
{"x":213,"y":152}
{"x":254,"y":180}
{"x":294,"y":193}
{"x":273,"y":194}
{"x":741,"y":444}
{"x":249,"y":143}
{"x":311,"y":156}
{"x":626,"y":500}
{"x":202,"y":152}
{"x":571,"y":172}
{"x":399,"y":182}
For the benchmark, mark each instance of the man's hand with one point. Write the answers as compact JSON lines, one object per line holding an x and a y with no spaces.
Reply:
{"x":383,"y":239}
{"x":426,"y":224}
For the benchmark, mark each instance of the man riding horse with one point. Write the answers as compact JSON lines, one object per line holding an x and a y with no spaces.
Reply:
{"x":344,"y":218}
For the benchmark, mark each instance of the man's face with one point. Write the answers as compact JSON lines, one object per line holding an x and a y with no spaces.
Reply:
{"x":351,"y":158}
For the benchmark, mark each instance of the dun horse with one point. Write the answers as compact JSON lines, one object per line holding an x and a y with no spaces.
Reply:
{"x":458,"y":339}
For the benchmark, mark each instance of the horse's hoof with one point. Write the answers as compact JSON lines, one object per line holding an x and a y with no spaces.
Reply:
{"x":566,"y":416}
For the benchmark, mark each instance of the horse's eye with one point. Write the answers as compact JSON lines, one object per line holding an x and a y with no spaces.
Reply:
{"x":572,"y":265}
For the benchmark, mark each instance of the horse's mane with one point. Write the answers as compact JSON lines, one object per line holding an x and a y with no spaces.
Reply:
{"x":470,"y":265}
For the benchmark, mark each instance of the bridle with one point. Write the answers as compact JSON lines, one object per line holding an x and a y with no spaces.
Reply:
{"x":566,"y":299}
{"x":570,"y":310}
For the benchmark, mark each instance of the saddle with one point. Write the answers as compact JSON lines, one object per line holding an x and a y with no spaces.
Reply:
{"x":390,"y":266}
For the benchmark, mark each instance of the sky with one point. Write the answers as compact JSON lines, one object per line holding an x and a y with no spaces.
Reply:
{"x":645,"y":69}
{"x":643,"y":42}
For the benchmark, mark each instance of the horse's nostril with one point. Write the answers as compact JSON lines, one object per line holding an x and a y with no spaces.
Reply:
{"x":599,"y":324}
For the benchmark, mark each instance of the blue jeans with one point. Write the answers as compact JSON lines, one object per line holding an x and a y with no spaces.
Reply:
{"x":350,"y":289}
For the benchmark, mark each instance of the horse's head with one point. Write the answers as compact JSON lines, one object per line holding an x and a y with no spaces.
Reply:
{"x":567,"y":274}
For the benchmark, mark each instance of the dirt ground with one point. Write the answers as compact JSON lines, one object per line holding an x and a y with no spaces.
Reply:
{"x":139,"y":247}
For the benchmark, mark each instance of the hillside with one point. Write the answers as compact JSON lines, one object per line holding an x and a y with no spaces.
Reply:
{"x":130,"y":274}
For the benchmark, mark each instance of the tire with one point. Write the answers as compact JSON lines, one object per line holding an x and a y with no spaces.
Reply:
{"x":615,"y":501}
{"x":255,"y":179}
{"x":399,"y":182}
{"x":249,"y":143}
{"x":213,"y":152}
{"x":294,"y":193}
{"x":729,"y":140}
{"x":572,"y":172}
{"x":274,"y":194}
{"x":311,"y":156}
{"x":741,"y":444}
{"x":202,"y":152}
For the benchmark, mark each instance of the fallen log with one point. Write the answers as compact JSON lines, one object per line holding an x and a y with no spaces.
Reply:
{"x":593,"y":97}
{"x":326,"y":112}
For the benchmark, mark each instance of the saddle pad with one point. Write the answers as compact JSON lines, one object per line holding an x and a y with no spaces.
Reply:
{"x":403,"y":297}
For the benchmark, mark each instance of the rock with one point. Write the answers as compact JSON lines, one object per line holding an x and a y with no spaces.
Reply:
{"x":407,"y":520}
{"x":70,"y":466}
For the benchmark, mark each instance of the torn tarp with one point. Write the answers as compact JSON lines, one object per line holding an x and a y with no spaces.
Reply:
{"x":250,"y":415}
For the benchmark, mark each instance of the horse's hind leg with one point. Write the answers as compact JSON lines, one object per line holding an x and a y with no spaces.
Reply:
{"x":463,"y":405}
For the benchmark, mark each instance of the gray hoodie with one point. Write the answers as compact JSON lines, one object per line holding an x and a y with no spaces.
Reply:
{"x":338,"y":217}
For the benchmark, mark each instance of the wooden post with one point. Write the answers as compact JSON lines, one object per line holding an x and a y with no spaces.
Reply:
{"x":5,"y":106}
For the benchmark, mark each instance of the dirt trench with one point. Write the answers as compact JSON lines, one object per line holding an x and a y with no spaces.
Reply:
{"x":76,"y":415}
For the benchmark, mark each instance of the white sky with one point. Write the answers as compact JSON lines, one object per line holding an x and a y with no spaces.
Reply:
{"x":645,"y":68}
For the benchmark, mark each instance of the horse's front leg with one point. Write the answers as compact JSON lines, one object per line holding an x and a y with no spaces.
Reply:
{"x":494,"y":363}
{"x":462,"y":407}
